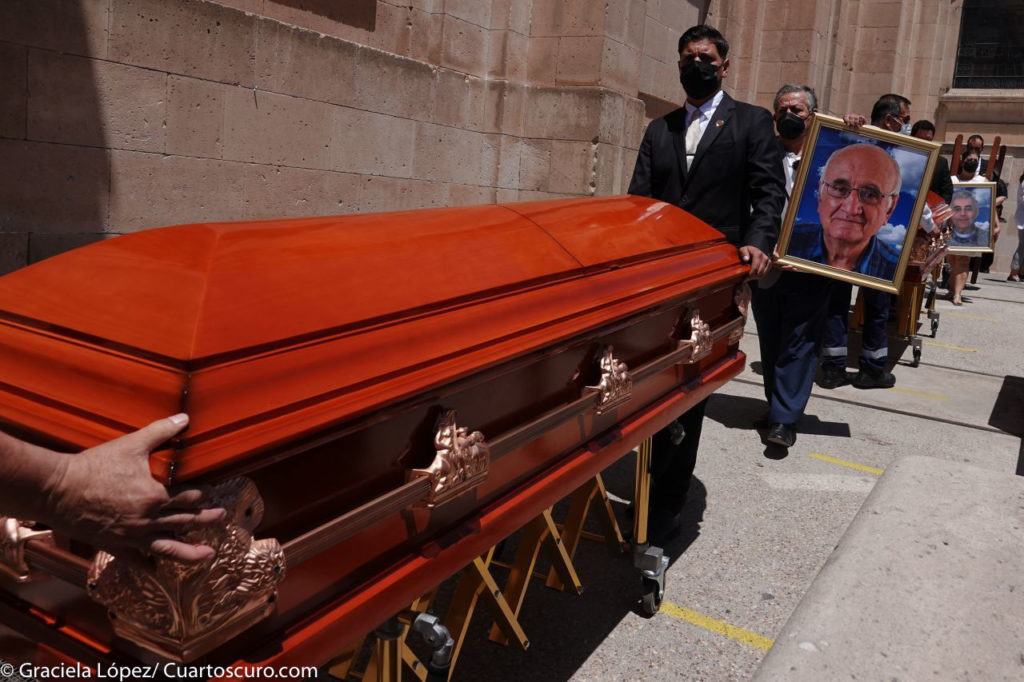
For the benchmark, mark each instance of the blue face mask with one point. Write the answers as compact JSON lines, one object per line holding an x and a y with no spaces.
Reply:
{"x":905,"y":129}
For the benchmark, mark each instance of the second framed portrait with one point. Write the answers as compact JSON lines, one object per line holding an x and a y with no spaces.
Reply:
{"x":856,"y":203}
{"x":973,"y":205}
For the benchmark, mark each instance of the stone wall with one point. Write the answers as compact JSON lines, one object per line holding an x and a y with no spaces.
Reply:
{"x":849,"y":51}
{"x":121,"y":115}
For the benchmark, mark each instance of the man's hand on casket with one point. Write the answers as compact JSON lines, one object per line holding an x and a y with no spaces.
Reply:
{"x":107,"y":497}
{"x":757,"y":260}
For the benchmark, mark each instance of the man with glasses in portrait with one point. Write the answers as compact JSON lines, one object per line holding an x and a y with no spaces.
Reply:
{"x":857,"y":192}
{"x":966,"y":232}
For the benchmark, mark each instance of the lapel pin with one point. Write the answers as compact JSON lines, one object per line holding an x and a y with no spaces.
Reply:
{"x":719,"y":123}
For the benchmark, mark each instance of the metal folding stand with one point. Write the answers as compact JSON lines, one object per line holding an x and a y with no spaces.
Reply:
{"x":476,"y":581}
{"x":541,"y":533}
{"x":572,"y":530}
{"x":391,"y":657}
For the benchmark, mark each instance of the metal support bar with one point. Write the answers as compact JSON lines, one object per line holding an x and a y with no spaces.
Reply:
{"x":572,"y":530}
{"x":539,"y":533}
{"x":642,"y":492}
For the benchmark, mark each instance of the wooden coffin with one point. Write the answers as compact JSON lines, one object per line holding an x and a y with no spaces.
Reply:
{"x":399,"y":391}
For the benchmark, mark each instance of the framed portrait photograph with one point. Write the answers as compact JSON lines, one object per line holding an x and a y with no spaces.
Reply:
{"x":973,"y":205}
{"x":856,"y":203}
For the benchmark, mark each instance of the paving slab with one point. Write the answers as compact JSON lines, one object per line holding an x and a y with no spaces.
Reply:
{"x":925,"y":584}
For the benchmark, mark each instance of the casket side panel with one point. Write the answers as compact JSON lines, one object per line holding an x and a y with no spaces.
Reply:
{"x":320,"y":385}
{"x":73,"y":394}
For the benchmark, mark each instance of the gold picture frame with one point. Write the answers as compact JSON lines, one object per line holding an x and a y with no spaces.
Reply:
{"x":858,"y":223}
{"x":984,"y":198}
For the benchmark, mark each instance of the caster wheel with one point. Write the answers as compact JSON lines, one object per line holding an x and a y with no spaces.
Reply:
{"x":935,"y":328}
{"x":917,"y":358}
{"x":650,"y":601}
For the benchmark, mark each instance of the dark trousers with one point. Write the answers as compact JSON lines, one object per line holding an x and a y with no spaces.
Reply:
{"x":874,"y":351}
{"x":790,"y":317}
{"x":672,"y":463}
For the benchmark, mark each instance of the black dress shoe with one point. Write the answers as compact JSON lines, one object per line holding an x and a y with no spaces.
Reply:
{"x":866,"y":379}
{"x":781,"y":434}
{"x":833,"y":377}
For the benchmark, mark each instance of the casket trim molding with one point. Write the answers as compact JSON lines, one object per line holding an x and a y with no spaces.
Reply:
{"x":461,"y":461}
{"x":182,"y":611}
{"x":14,"y":536}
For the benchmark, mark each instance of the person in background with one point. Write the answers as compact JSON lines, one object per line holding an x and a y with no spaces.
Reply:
{"x":717,"y":159}
{"x":960,"y":264}
{"x":941,"y":183}
{"x":789,"y":306}
{"x":1017,"y":264}
{"x":976,"y":143}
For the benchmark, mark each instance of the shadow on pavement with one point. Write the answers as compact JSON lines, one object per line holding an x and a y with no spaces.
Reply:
{"x":741,"y":412}
{"x":1008,"y":413}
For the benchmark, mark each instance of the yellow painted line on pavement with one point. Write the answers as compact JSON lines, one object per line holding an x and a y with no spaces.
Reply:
{"x":933,"y":396}
{"x":971,"y":317}
{"x":718,"y":626}
{"x":942,"y":345}
{"x":843,"y":462}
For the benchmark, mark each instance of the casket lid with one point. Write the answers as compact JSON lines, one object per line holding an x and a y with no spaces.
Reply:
{"x":266,"y":330}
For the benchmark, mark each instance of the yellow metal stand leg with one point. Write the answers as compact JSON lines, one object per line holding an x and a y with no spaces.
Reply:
{"x":572,"y":531}
{"x":475,"y":582}
{"x":540,"y":532}
{"x":642,"y":495}
{"x":386,"y":661}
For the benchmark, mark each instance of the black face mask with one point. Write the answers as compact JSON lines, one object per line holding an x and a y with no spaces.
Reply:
{"x":970,"y":165}
{"x":699,"y":79}
{"x":790,"y":126}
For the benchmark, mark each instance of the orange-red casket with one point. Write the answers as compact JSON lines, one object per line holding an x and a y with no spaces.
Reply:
{"x":377,"y":399}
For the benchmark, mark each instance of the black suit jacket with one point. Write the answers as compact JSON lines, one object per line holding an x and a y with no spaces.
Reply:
{"x":941,"y":183}
{"x":736,"y":184}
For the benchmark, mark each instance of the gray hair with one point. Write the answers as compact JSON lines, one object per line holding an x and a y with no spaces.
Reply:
{"x":812,"y":99}
{"x":964,"y":194}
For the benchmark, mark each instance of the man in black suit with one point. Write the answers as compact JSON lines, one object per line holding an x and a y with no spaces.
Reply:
{"x":717,"y":159}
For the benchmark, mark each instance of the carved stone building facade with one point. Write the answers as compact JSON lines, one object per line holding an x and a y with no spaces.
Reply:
{"x":121,"y":115}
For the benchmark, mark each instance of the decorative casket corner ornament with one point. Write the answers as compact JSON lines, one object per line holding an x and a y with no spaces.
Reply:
{"x":182,"y":611}
{"x":461,"y":461}
{"x":14,"y":534}
{"x":616,"y":384}
{"x":701,"y":339}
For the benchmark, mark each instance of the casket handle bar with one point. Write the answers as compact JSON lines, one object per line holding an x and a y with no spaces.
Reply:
{"x":67,"y":566}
